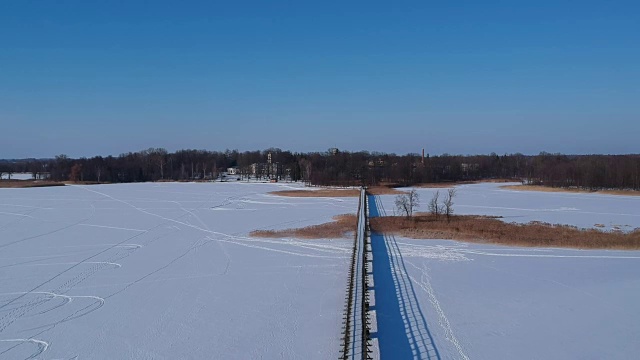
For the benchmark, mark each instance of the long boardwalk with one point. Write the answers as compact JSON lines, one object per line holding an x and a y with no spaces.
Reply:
{"x":357,"y":324}
{"x":381,"y":296}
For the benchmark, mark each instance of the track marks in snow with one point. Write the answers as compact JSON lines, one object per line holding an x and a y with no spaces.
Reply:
{"x":466,"y":252}
{"x":463,"y":252}
{"x":68,"y":263}
{"x":95,"y":303}
{"x":214,"y":234}
{"x":12,"y":316}
{"x":111,"y":227}
{"x":476,"y":252}
{"x":289,"y":252}
{"x":174,"y":260}
{"x":41,"y":345}
{"x":425,"y":284}
{"x":51,"y":294}
{"x":49,"y":232}
{"x":435,"y":252}
{"x":15,"y":214}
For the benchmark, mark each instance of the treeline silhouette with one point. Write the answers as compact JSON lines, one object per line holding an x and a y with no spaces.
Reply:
{"x":340,"y":168}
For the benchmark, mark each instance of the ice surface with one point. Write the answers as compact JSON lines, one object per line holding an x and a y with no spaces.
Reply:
{"x":166,"y":271}
{"x":578,"y":209}
{"x":473,"y":301}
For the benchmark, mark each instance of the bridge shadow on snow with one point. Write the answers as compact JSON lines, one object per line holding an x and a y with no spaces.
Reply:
{"x":403,"y":332}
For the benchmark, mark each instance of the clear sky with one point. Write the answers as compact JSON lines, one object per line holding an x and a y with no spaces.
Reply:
{"x":89,"y":78}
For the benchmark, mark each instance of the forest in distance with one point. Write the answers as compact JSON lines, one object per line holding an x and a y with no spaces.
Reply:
{"x":339,"y":168}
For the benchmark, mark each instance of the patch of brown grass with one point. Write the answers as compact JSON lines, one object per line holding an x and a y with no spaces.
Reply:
{"x":384,"y":190}
{"x":484,"y":229}
{"x":17,"y":184}
{"x":341,"y":226}
{"x":569,"y":190}
{"x":477,"y":229}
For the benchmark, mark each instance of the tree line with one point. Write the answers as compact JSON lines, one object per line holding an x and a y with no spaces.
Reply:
{"x":339,"y":168}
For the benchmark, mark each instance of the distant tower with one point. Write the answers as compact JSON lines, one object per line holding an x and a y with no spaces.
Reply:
{"x":422,"y":156}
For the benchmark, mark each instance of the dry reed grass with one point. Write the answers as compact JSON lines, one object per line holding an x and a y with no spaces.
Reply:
{"x":18,"y":184}
{"x":384,"y":190}
{"x":340,"y":227}
{"x":477,"y":229}
{"x":569,"y":190}
{"x":491,"y":230}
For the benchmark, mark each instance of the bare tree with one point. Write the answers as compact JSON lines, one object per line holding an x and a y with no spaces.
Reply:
{"x":407,"y":203}
{"x":434,"y":206}
{"x":448,"y":203}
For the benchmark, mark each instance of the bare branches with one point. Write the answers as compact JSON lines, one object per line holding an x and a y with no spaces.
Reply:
{"x":434,"y":206}
{"x":407,"y":203}
{"x":448,"y":203}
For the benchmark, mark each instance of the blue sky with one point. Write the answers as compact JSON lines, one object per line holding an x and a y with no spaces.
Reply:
{"x":91,"y":78}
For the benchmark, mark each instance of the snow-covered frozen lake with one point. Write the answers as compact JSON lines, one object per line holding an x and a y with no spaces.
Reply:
{"x":474,"y":301}
{"x":580,"y":209}
{"x":167,"y":271}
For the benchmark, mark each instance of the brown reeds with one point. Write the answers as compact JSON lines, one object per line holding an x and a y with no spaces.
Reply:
{"x":483,"y":229}
{"x":477,"y":229}
{"x":15,"y":184}
{"x":384,"y":190}
{"x":343,"y":225}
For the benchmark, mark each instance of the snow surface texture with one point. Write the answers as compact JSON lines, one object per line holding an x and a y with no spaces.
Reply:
{"x":442,"y":299}
{"x":167,"y":271}
{"x":583,"y":210}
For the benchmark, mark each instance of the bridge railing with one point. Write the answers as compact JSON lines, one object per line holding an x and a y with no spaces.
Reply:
{"x":356,"y":339}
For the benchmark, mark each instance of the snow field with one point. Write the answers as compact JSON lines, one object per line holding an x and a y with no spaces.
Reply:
{"x":495,"y":302}
{"x":615,"y":212}
{"x":167,"y":271}
{"x":490,"y":302}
